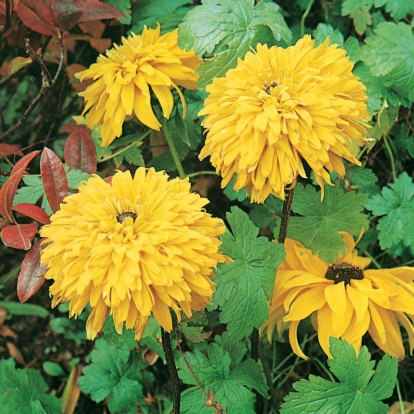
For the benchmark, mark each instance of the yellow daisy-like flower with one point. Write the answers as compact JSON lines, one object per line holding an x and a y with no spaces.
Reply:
{"x":136,"y":247}
{"x":279,"y":107}
{"x":343,"y":299}
{"x":124,"y":76}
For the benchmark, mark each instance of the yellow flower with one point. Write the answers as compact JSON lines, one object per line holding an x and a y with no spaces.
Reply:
{"x":124,"y":76}
{"x":136,"y":247}
{"x":279,"y":107}
{"x":343,"y":299}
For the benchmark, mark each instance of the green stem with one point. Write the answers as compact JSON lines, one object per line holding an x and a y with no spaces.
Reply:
{"x":400,"y":397}
{"x":391,"y":155}
{"x":304,"y":16}
{"x":287,"y":204}
{"x":166,"y":344}
{"x":173,"y":149}
{"x":196,"y":174}
{"x":132,"y":144}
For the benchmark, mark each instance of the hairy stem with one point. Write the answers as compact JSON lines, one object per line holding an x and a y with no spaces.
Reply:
{"x":166,"y":344}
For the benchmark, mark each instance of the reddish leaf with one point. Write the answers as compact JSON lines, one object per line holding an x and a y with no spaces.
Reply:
{"x":54,"y":178}
{"x":31,"y":276}
{"x":19,"y":236}
{"x":46,"y":16}
{"x":67,"y":12}
{"x":95,"y":10}
{"x":80,"y":152}
{"x":32,"y":211}
{"x":8,"y":191}
{"x":10,"y":149}
{"x":38,"y":15}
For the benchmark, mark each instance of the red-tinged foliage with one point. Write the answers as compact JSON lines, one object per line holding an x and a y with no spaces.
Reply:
{"x":32,"y":211}
{"x":8,"y":191}
{"x":80,"y":151}
{"x":31,"y":276}
{"x":50,"y":16}
{"x":54,"y":178}
{"x":19,"y":236}
{"x":10,"y":149}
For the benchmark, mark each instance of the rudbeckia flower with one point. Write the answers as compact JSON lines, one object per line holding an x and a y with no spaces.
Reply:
{"x":344,"y":299}
{"x":142,"y":245}
{"x":280,"y":107}
{"x":125,"y":77}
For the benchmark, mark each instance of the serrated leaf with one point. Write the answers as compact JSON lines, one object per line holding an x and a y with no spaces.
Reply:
{"x":396,"y":204}
{"x":126,"y":340}
{"x":150,"y":13}
{"x":323,"y":31}
{"x":398,"y":9}
{"x":22,"y":391}
{"x":350,"y":6}
{"x":124,"y":6}
{"x":389,"y":53}
{"x":360,"y":389}
{"x":318,"y":228}
{"x":245,"y":286}
{"x":113,"y":374}
{"x":213,"y":374}
{"x":362,"y":179}
{"x":229,"y":29}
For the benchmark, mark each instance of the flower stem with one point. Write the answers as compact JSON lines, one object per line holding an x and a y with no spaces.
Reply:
{"x":166,"y":344}
{"x":304,"y":16}
{"x":173,"y":149}
{"x":287,"y":204}
{"x":391,"y":155}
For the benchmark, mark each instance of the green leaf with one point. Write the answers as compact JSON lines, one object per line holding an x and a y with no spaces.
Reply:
{"x":396,"y":204}
{"x":53,"y":369}
{"x":113,"y":374}
{"x":75,"y":177}
{"x":213,"y":373}
{"x":126,"y":340}
{"x":25,"y":309}
{"x":350,"y":6}
{"x":398,"y":9}
{"x":232,"y":194}
{"x":389,"y":53}
{"x":318,"y":228}
{"x":323,"y":31}
{"x":360,"y":389}
{"x":72,"y":329}
{"x":245,"y":286}
{"x":267,"y":215}
{"x":31,"y":191}
{"x":376,"y":91}
{"x":169,"y":14}
{"x":362,"y":19}
{"x":22,"y":391}
{"x":229,"y":29}
{"x":124,"y":6}
{"x":363,"y":180}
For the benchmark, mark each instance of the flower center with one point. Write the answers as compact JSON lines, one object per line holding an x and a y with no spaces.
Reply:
{"x":121,"y":217}
{"x":344,"y":272}
{"x":267,"y":87}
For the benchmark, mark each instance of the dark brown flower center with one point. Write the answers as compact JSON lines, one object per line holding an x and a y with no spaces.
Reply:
{"x":344,"y":272}
{"x":272,"y":85}
{"x":121,"y":217}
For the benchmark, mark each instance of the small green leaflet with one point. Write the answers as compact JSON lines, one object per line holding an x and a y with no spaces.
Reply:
{"x":318,"y":228}
{"x":323,"y":31}
{"x":113,"y":374}
{"x":396,"y":204}
{"x":389,"y":53}
{"x":214,"y":374}
{"x":245,"y":286}
{"x":227,"y":29}
{"x":362,"y":179}
{"x":22,"y":391}
{"x":360,"y":389}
